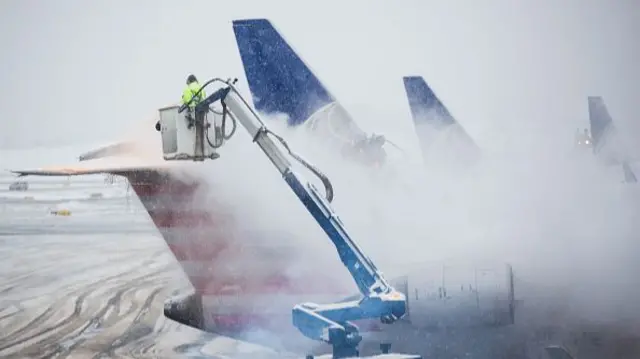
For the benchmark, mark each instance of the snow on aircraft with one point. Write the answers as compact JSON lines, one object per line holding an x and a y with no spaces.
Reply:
{"x":603,"y":133}
{"x":207,"y":239}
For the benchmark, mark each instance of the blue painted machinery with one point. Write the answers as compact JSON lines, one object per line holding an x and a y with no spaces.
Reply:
{"x":330,"y":323}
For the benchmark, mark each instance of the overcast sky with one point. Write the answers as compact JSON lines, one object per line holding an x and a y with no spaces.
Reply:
{"x":83,"y":71}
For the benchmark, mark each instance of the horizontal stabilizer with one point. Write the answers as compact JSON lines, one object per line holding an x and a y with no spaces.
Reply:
{"x":113,"y":165}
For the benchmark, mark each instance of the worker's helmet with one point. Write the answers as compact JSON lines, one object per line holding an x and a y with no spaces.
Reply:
{"x":191,"y":78}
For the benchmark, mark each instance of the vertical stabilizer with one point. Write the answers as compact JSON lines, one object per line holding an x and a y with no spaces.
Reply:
{"x":600,"y":122}
{"x":602,"y":135}
{"x":629,"y":175}
{"x":281,"y":83}
{"x":279,"y":80}
{"x":435,"y":125}
{"x":426,"y":108}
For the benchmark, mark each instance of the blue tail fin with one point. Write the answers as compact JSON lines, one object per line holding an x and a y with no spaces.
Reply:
{"x":629,"y":176}
{"x":279,"y":80}
{"x":602,"y":129}
{"x":431,"y":118}
{"x":425,"y":106}
{"x":599,"y":120}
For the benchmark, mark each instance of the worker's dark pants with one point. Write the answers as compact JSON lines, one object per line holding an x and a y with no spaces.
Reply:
{"x":194,"y":117}
{"x":200,"y":117}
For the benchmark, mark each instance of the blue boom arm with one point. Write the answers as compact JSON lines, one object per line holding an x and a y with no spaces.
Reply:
{"x":330,"y":323}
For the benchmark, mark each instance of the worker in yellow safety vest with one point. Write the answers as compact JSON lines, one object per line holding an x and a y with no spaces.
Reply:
{"x":191,"y":96}
{"x":191,"y":92}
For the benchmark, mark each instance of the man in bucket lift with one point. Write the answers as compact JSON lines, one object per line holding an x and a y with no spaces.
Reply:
{"x":191,"y":96}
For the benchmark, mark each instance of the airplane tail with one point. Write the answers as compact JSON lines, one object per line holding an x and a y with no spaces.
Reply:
{"x":209,"y":241}
{"x":433,"y":121}
{"x":279,"y":80}
{"x":425,"y":106}
{"x":600,"y":121}
{"x":602,"y":129}
{"x":281,"y":83}
{"x":629,"y":175}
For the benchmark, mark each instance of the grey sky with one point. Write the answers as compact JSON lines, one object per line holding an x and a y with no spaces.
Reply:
{"x":83,"y":71}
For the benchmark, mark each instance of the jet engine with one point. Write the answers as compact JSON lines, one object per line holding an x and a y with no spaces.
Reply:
{"x":441,"y":296}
